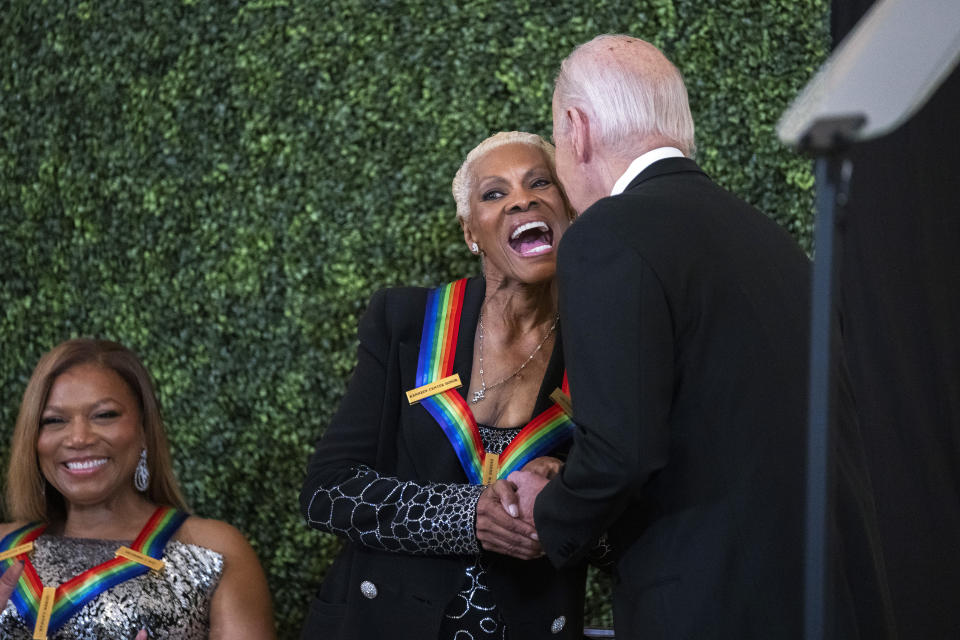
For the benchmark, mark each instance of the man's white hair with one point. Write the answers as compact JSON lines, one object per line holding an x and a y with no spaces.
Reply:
{"x":629,"y":91}
{"x":464,"y":180}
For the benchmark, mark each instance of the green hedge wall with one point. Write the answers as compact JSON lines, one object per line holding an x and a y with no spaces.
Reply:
{"x":221,"y":186}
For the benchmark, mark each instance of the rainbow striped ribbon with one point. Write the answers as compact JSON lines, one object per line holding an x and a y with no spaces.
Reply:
{"x":438,"y":346}
{"x":541,"y":435}
{"x":72,"y":595}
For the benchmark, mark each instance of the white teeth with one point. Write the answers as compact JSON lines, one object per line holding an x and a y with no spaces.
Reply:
{"x":529,"y":225}
{"x":86,"y":464}
{"x":539,"y":249}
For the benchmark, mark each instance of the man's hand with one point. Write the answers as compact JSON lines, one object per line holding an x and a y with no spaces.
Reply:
{"x":501,"y":532}
{"x":528,"y":486}
{"x":546,"y":466}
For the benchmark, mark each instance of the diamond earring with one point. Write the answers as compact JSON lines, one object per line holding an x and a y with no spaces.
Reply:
{"x":141,"y":477}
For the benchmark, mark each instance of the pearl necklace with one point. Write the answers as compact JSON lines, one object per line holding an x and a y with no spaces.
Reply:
{"x":480,"y":394}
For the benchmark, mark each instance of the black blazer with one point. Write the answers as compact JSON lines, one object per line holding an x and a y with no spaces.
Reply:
{"x":685,"y":322}
{"x":375,"y":426}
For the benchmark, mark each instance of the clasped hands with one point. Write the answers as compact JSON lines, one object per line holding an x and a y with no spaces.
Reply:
{"x":504,"y":519}
{"x":505,"y":510}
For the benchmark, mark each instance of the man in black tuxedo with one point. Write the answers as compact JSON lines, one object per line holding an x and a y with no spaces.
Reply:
{"x":685,"y":326}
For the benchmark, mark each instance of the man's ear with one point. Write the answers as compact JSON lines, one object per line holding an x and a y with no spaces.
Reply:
{"x":580,"y":140}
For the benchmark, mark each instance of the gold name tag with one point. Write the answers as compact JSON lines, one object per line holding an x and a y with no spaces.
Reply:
{"x":142,"y":558}
{"x":44,"y":610}
{"x":433,"y":388}
{"x":563,"y":400}
{"x":26,"y":547}
{"x":491,"y":467}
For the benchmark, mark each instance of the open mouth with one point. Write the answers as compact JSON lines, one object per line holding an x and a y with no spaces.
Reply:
{"x":532,"y":238}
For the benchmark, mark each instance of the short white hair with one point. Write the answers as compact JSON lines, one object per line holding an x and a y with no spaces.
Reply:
{"x":464,"y":180}
{"x":626,"y":97}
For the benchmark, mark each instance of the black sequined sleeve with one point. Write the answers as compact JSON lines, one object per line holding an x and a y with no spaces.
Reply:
{"x":346,"y":491}
{"x":393,"y":515}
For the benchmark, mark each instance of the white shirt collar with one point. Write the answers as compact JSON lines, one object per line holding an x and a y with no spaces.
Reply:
{"x":642,"y":163}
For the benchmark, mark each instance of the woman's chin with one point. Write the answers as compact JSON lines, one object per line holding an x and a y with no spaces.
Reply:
{"x":89,"y":494}
{"x":538,"y":274}
{"x":516,"y":269}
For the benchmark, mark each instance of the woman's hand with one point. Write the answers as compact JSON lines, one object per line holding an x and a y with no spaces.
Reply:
{"x":528,"y":486}
{"x":8,"y":582}
{"x":499,"y":527}
{"x":546,"y":466}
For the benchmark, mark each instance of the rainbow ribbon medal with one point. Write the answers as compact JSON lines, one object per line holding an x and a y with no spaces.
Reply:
{"x":72,"y":595}
{"x":438,"y":346}
{"x":541,"y":435}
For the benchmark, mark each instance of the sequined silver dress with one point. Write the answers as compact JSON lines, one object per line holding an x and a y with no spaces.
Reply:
{"x":174,"y":603}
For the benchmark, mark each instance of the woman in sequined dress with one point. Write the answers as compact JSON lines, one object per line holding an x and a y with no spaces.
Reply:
{"x":430,"y":552}
{"x":90,"y":473}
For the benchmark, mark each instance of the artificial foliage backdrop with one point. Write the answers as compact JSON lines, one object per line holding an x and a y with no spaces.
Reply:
{"x":222,"y":185}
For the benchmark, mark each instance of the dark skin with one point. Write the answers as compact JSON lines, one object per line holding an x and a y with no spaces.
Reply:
{"x":92,"y":415}
{"x":8,"y":582}
{"x":512,"y":535}
{"x":514,"y":185}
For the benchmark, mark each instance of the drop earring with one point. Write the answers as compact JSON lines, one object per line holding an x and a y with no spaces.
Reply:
{"x":141,"y":477}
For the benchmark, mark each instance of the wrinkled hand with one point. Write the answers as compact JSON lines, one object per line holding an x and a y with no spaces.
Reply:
{"x":8,"y":582}
{"x":142,"y":635}
{"x":546,"y":466}
{"x":528,"y":486}
{"x":501,"y":532}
